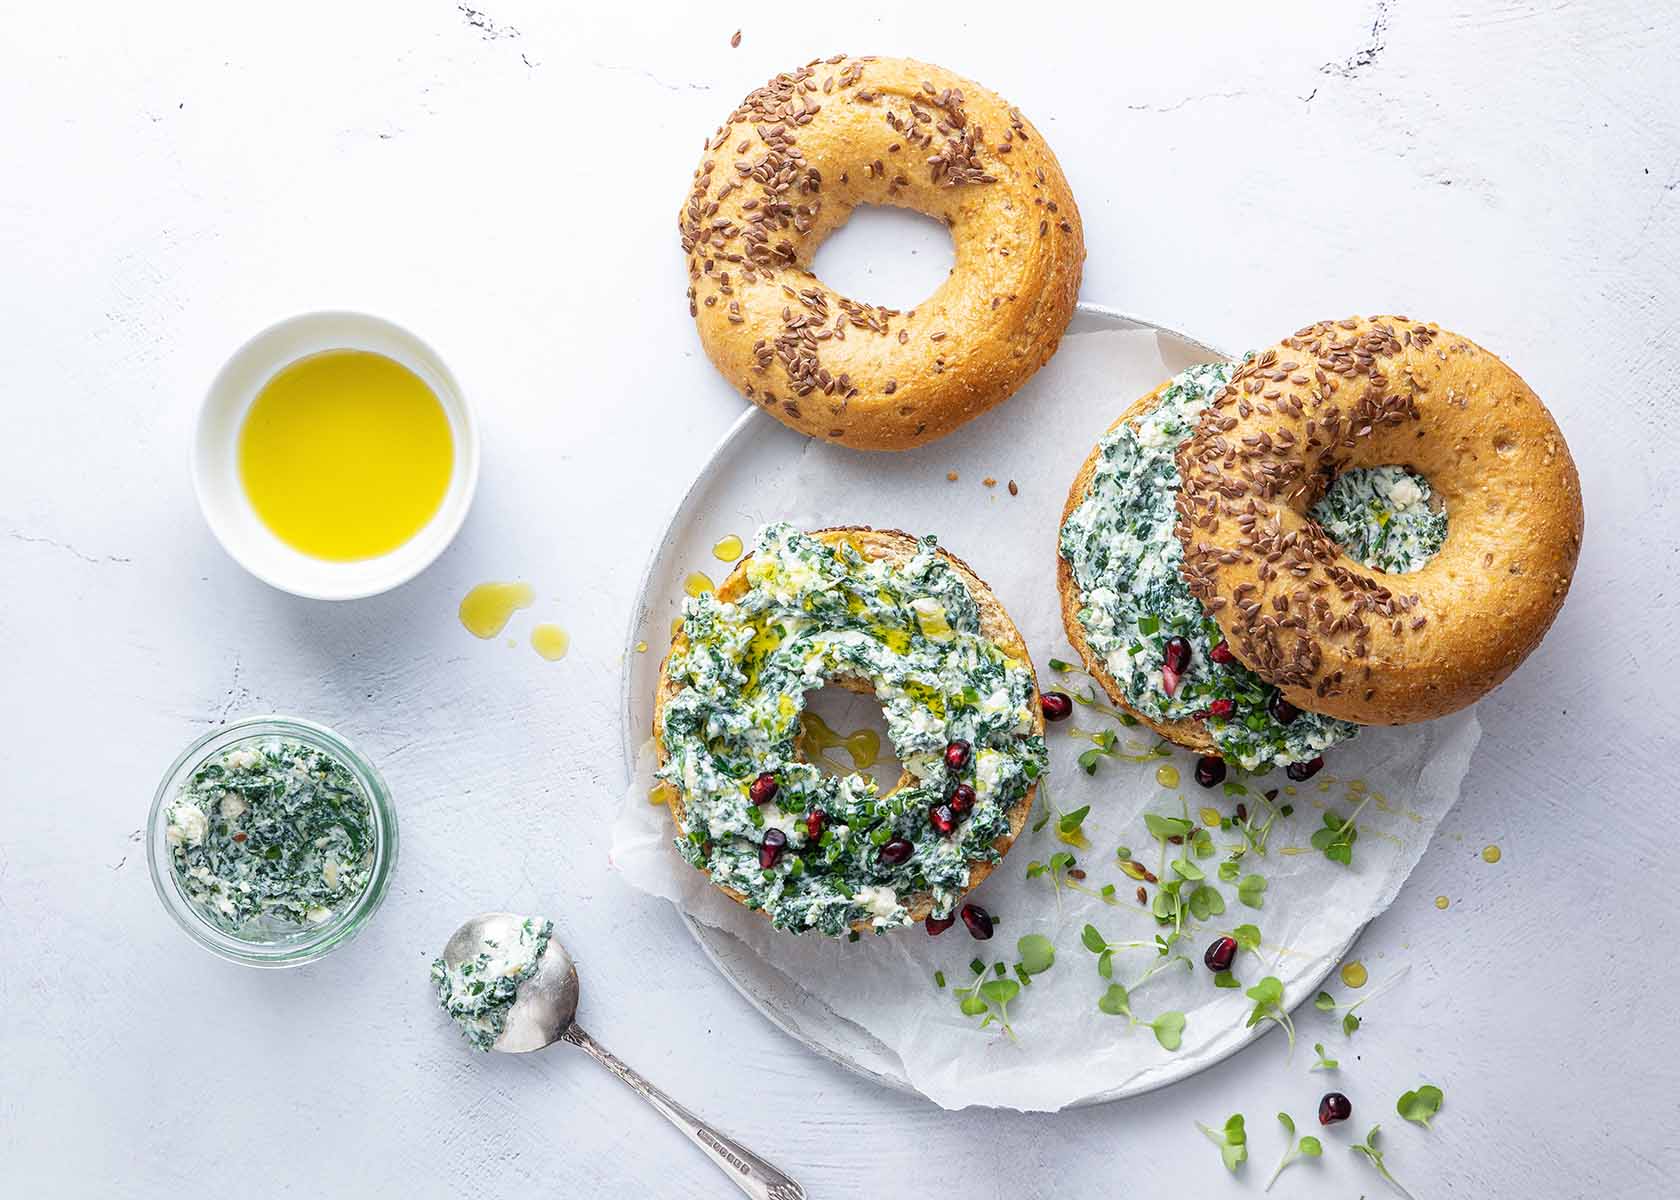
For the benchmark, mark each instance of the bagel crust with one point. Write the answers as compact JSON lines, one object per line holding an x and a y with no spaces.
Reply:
{"x":788,"y":168}
{"x":993,"y":624}
{"x":1333,"y":635}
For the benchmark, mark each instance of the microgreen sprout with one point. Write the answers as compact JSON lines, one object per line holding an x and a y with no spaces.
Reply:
{"x":1255,"y":832}
{"x":1268,"y":1006}
{"x":1326,"y":1003}
{"x":1061,"y":871}
{"x":1420,"y":1107}
{"x":1087,"y":696}
{"x":1251,"y":890}
{"x":1104,"y":949}
{"x":988,"y":998}
{"x":1168,"y":1027}
{"x":1070,"y":827}
{"x":1231,"y":1140}
{"x":1322,"y":1063}
{"x":1306,"y":1147}
{"x":1060,"y":667}
{"x":1037,"y":953}
{"x":1339,"y":833}
{"x":1368,"y":1150}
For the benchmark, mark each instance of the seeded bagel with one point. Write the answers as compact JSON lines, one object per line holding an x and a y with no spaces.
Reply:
{"x":1333,"y":635}
{"x":788,"y":168}
{"x":994,"y":625}
{"x":1190,"y":734}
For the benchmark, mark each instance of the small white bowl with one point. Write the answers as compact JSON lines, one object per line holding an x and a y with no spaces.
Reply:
{"x":216,"y":460}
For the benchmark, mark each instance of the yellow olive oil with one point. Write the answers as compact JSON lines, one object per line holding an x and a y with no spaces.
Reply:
{"x":345,"y":455}
{"x":487,"y":608}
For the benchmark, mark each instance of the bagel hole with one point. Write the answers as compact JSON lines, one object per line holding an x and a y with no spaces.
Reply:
{"x":1387,"y":518}
{"x":890,"y":257}
{"x":856,"y":719}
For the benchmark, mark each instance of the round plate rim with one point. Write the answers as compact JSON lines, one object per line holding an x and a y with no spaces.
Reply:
{"x":633,"y":738}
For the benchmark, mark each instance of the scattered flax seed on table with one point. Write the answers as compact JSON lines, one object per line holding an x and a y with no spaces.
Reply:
{"x":1013,"y":490}
{"x":736,"y":40}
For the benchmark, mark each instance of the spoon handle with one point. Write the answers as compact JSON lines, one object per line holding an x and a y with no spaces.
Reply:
{"x":751,"y":1174}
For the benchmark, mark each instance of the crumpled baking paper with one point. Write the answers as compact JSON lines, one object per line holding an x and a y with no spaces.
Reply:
{"x":1066,"y":1050}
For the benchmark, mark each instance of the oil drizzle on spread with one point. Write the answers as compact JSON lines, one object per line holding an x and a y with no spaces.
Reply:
{"x":862,"y":746}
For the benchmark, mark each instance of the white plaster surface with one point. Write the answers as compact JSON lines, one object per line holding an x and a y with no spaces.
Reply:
{"x":506,"y":183}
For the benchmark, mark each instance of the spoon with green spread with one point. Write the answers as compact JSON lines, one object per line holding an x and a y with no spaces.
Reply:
{"x":511,"y":986}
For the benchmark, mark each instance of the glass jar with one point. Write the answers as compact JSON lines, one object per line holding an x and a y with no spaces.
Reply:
{"x":273,"y":943}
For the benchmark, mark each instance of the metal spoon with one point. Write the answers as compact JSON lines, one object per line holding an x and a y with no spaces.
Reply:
{"x":543,"y":1013}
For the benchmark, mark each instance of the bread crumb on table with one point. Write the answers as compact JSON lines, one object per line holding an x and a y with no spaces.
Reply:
{"x":989,"y":481}
{"x":951,"y":475}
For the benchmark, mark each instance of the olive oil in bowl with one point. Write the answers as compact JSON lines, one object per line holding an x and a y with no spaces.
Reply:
{"x":345,"y":455}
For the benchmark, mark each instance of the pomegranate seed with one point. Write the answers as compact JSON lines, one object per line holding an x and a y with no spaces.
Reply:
{"x":1057,"y":706}
{"x":1280,"y":709}
{"x":938,"y":925}
{"x":957,"y":754}
{"x":763,"y":789}
{"x":897,"y":851}
{"x":814,"y":823}
{"x":1177,"y":655}
{"x":961,"y":798}
{"x":1222,"y":708}
{"x":978,"y":920}
{"x":1300,"y":772}
{"x":1334,"y":1107}
{"x":1221,"y":953}
{"x":1201,"y":714}
{"x":1210,"y":770}
{"x":770,"y":849}
{"x":944,"y":818}
{"x":240,"y":836}
{"x":1169,"y":681}
{"x":1222,"y":655}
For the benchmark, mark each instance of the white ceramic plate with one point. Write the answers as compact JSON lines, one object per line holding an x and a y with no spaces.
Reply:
{"x":750,"y":460}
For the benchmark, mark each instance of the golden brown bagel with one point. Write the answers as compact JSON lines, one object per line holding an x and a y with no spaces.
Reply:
{"x":1334,"y":636}
{"x":787,"y":170}
{"x":995,"y":624}
{"x":1192,"y":735}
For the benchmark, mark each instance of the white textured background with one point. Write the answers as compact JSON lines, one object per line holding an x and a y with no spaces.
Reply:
{"x":506,"y":183}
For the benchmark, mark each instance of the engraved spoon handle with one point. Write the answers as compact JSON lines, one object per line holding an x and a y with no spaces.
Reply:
{"x":751,"y":1174}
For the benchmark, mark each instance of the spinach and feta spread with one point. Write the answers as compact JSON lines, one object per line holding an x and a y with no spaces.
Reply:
{"x":1125,"y":558}
{"x":1383,"y":518}
{"x":828,"y":850}
{"x":270,"y":836}
{"x":478,"y":992}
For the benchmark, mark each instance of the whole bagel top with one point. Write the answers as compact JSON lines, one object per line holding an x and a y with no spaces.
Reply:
{"x":1334,"y":635}
{"x":787,"y":169}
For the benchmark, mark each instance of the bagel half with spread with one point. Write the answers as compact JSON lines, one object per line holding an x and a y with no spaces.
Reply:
{"x":874,"y":611}
{"x":1372,"y":522}
{"x":787,"y":169}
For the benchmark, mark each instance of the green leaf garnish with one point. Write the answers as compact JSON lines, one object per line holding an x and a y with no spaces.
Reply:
{"x":1037,"y":953}
{"x":1268,"y":1006}
{"x":1231,"y":1140}
{"x":1323,"y":1063}
{"x":1420,"y":1107}
{"x":1368,"y":1150}
{"x":1306,"y":1147}
{"x":1251,"y":890}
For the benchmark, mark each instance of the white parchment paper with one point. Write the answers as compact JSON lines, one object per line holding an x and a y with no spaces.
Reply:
{"x":1066,"y":1049}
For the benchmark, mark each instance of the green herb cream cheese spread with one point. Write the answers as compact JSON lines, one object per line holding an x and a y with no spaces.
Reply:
{"x":269,"y":835}
{"x":814,"y":612}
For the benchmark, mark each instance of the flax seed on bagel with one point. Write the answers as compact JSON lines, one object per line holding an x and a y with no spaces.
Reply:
{"x":1335,"y":636}
{"x":787,"y":169}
